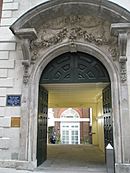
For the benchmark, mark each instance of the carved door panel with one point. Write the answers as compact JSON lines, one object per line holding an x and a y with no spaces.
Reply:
{"x":108,"y":125}
{"x":42,"y":126}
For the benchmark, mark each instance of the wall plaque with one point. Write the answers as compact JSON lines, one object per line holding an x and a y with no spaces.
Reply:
{"x":15,"y":121}
{"x":13,"y":100}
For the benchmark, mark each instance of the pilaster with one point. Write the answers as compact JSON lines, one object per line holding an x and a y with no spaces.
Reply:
{"x":121,"y":31}
{"x":25,"y":36}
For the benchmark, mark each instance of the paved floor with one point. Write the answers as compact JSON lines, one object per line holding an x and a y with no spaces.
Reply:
{"x":70,"y":159}
{"x":74,"y":158}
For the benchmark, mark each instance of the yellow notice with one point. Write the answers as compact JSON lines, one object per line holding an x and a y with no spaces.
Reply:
{"x":15,"y":121}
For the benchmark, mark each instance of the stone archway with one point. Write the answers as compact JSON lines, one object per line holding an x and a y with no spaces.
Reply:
{"x":69,"y":68}
{"x":33,"y":91}
{"x":69,"y":34}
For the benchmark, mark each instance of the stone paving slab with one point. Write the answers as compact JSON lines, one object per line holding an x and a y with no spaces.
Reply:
{"x":9,"y":170}
{"x":69,"y":159}
{"x":74,"y":170}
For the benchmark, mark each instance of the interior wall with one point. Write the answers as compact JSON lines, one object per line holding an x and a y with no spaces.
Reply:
{"x":97,"y":123}
{"x":94,"y":125}
{"x":100,"y":124}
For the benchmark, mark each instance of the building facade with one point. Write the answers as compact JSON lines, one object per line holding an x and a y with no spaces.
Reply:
{"x":32,"y":35}
{"x":70,"y":125}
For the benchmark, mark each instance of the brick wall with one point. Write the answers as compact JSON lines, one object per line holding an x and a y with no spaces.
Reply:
{"x":84,"y":126}
{"x":84,"y":132}
{"x":83,"y":112}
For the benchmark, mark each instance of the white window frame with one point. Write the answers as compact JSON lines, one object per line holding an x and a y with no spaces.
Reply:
{"x":70,"y":118}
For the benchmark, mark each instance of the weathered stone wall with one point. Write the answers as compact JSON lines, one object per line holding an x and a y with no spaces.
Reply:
{"x":128,"y":64}
{"x":10,"y":81}
{"x":1,"y":2}
{"x":11,"y":72}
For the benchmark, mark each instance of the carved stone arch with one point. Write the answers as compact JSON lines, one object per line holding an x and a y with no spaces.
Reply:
{"x":62,"y":48}
{"x":75,"y":24}
{"x":48,"y":57}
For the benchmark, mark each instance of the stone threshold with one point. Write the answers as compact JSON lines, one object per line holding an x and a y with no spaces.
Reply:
{"x":18,"y":164}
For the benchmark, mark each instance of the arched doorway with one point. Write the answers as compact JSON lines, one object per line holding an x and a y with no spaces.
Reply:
{"x":72,"y":68}
{"x":100,"y":46}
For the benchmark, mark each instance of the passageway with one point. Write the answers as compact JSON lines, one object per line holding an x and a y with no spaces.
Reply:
{"x":73,"y":159}
{"x":74,"y":80}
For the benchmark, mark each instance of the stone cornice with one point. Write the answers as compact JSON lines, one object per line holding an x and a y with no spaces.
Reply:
{"x":117,"y":28}
{"x":26,"y":33}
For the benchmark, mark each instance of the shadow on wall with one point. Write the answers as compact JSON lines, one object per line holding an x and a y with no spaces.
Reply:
{"x":1,"y":2}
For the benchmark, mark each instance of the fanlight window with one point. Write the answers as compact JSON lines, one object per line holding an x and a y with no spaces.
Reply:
{"x":70,"y":113}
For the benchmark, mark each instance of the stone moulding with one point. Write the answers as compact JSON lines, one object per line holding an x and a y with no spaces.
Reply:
{"x":72,"y":35}
{"x":121,"y":31}
{"x":26,"y":36}
{"x":18,"y":164}
{"x":38,"y":16}
{"x":100,"y":8}
{"x":33,"y":44}
{"x":72,"y":28}
{"x":26,"y":33}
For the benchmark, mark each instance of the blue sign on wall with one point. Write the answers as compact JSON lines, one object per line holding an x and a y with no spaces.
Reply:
{"x":13,"y":100}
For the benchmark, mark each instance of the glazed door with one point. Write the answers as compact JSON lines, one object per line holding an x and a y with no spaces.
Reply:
{"x":42,"y":126}
{"x":108,"y":125}
{"x":70,"y":133}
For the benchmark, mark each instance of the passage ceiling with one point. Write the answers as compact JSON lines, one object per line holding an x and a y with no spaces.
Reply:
{"x":73,"y":95}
